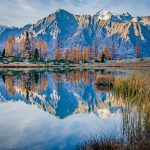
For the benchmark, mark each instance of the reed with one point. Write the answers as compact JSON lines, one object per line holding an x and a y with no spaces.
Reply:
{"x":134,"y":90}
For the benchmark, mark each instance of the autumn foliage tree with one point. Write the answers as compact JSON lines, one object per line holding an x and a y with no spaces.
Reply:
{"x":44,"y":49}
{"x":9,"y":46}
{"x":74,"y":55}
{"x":85,"y":53}
{"x":138,"y":51}
{"x":100,"y":55}
{"x":67,"y":54}
{"x":57,"y":54}
{"x":39,"y":46}
{"x":107,"y":52}
{"x":21,"y":45}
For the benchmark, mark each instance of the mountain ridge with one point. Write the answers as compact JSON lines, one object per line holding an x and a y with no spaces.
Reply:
{"x":104,"y":28}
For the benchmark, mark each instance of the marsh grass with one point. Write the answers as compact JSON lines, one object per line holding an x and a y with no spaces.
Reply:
{"x":101,"y":144}
{"x":134,"y":90}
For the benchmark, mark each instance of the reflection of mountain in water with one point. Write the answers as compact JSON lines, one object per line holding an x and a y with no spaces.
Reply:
{"x":60,"y":94}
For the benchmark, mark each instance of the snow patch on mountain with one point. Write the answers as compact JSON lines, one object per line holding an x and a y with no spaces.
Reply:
{"x":55,"y":31}
{"x":103,"y":15}
{"x":106,"y":15}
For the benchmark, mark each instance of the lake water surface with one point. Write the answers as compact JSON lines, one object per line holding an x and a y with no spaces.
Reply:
{"x":59,"y":109}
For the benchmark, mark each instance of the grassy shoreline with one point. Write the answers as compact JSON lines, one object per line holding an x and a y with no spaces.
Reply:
{"x":135,"y":91}
{"x":122,"y":63}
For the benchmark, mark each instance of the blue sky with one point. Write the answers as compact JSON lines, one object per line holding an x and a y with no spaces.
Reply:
{"x":21,"y":12}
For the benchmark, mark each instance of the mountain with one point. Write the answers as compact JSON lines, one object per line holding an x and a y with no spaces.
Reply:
{"x":104,"y":28}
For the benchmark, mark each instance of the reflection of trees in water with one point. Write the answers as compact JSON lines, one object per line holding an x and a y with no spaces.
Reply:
{"x":85,"y":76}
{"x":3,"y":77}
{"x":36,"y":77}
{"x":9,"y":84}
{"x":25,"y":83}
{"x":57,"y":78}
{"x":32,"y":85}
{"x":27,"y":87}
{"x":38,"y":81}
{"x":85,"y":81}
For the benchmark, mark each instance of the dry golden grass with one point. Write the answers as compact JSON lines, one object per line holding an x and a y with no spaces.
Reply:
{"x":135,"y":88}
{"x":135,"y":91}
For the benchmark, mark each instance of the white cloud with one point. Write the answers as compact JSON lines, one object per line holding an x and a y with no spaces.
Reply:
{"x":21,"y":12}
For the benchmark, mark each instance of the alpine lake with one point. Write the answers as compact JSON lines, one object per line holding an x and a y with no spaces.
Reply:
{"x":60,"y":109}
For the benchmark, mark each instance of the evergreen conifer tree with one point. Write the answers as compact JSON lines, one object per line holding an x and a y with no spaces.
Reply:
{"x":3,"y":53}
{"x":103,"y":57}
{"x":36,"y":54}
{"x":27,"y":46}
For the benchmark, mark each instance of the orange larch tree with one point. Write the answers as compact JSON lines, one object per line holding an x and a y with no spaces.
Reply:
{"x":9,"y":46}
{"x":39,"y":46}
{"x":74,"y":55}
{"x":21,"y":45}
{"x":107,"y":52}
{"x":44,"y":49}
{"x":100,"y":55}
{"x":85,"y":53}
{"x":137,"y":50}
{"x":67,"y":54}
{"x":57,"y":53}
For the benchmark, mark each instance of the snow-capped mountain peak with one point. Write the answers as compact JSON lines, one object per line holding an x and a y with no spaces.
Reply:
{"x":103,"y":15}
{"x":107,"y":15}
{"x":104,"y":28}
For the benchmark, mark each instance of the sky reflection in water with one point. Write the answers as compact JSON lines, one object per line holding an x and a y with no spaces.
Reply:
{"x":43,"y":110}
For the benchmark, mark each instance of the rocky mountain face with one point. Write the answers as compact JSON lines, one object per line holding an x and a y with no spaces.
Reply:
{"x":105,"y":28}
{"x":6,"y":32}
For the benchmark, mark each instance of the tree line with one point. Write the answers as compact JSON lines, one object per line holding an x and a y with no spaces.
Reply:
{"x":28,"y":47}
{"x":87,"y":53}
